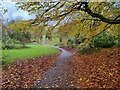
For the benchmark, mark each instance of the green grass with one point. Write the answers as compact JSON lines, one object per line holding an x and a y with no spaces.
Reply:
{"x":56,"y":40}
{"x":53,"y":42}
{"x":12,"y":55}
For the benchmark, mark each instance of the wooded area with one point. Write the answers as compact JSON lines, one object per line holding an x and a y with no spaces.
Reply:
{"x":86,"y":34}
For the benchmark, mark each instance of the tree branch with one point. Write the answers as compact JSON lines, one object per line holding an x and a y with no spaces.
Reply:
{"x":95,"y":15}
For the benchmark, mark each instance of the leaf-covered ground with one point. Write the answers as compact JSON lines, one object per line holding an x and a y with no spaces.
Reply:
{"x":23,"y":73}
{"x":98,"y":70}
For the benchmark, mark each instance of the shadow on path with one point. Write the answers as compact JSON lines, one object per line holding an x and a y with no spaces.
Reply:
{"x":57,"y":76}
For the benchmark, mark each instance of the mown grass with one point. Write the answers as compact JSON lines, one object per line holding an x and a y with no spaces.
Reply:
{"x":56,"y":40}
{"x":53,"y":42}
{"x":10,"y":56}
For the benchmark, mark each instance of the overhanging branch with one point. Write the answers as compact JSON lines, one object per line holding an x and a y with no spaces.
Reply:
{"x":101,"y":17}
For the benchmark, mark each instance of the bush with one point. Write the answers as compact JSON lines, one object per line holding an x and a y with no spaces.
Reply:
{"x":79,"y":40}
{"x":117,"y":43}
{"x":88,"y":50}
{"x":8,"y":43}
{"x":117,"y":40}
{"x":22,"y":37}
{"x":104,"y":40}
{"x":59,"y":45}
{"x":70,"y":43}
{"x":76,"y":41}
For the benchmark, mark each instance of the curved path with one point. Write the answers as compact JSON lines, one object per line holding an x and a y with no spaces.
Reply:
{"x":57,"y":76}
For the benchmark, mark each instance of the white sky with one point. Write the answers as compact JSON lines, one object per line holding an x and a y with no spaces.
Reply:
{"x":13,"y":13}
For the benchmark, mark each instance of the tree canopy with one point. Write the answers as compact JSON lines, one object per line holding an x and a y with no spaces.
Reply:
{"x":106,"y":12}
{"x":74,"y":19}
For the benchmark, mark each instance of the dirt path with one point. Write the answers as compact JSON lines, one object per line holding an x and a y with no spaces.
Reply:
{"x":58,"y":75}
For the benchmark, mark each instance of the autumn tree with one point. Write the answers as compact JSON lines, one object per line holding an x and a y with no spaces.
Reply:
{"x":17,"y":30}
{"x":88,"y":19}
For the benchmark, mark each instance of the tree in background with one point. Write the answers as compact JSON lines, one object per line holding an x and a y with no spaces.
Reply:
{"x":106,"y":13}
{"x":18,"y":31}
{"x":87,"y":18}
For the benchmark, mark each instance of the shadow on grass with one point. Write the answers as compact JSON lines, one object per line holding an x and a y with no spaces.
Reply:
{"x":24,"y":47}
{"x":17,"y":47}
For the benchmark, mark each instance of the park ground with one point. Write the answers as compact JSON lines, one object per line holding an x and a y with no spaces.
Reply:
{"x":65,"y":45}
{"x":93,"y":70}
{"x":97,"y":70}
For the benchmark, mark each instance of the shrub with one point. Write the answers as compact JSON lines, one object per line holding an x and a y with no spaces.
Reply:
{"x":104,"y":40}
{"x":8,"y":43}
{"x":59,"y":45}
{"x":117,"y":43}
{"x":22,"y":37}
{"x":88,"y":50}
{"x":70,"y":43}
{"x":76,"y":41}
{"x":117,"y":40}
{"x":79,"y":40}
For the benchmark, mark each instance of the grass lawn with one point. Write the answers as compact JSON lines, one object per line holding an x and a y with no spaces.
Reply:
{"x":12,"y":55}
{"x":56,"y":40}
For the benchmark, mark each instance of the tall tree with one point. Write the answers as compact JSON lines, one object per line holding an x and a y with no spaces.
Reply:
{"x":87,"y":18}
{"x":59,"y":10}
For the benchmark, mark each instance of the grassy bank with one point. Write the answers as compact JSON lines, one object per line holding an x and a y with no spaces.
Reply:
{"x":12,"y":55}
